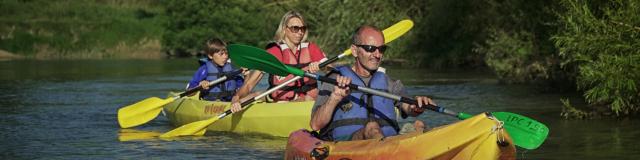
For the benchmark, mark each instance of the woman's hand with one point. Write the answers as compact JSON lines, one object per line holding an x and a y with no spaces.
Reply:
{"x":235,"y":104}
{"x":313,"y":67}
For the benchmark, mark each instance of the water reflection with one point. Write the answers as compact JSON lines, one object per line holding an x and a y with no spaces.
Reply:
{"x":137,"y":135}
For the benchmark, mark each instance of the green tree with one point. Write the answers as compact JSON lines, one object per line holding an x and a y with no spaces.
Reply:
{"x":331,"y":22}
{"x":78,"y":28}
{"x":190,"y":23}
{"x":601,"y":39}
{"x":516,"y":40}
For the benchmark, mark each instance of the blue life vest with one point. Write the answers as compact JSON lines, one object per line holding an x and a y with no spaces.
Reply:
{"x":364,"y":107}
{"x":222,"y":91}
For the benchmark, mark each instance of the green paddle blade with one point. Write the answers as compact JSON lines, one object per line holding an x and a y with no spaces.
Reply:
{"x":141,"y":112}
{"x":525,"y":132}
{"x":258,"y":59}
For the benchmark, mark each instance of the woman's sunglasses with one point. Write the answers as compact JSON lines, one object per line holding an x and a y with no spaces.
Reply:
{"x":370,"y":48}
{"x":296,"y":29}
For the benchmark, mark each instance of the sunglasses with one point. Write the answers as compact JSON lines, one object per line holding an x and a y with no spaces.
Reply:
{"x":370,"y":48}
{"x":296,"y":29}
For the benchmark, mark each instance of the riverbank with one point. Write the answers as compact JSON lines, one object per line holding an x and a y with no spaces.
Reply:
{"x":4,"y":55}
{"x":83,"y":29}
{"x":147,"y":49}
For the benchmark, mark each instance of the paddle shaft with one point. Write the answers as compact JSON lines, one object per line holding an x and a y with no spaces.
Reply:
{"x":390,"y":34}
{"x":395,"y":32}
{"x":225,"y":76}
{"x":327,"y":62}
{"x":249,"y":101}
{"x":387,"y":95}
{"x":527,"y":133}
{"x":199,"y":127}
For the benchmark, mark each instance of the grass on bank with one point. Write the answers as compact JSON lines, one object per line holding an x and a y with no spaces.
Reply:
{"x":80,"y":28}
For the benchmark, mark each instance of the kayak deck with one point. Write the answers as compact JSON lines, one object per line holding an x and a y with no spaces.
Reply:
{"x":474,"y":138}
{"x":274,"y":119}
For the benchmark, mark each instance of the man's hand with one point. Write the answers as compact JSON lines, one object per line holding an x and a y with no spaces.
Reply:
{"x":341,"y":90}
{"x":423,"y":101}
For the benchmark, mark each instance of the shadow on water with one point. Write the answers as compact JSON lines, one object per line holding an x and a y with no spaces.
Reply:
{"x":67,"y":110}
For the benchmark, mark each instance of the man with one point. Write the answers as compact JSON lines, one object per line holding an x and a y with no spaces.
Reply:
{"x":340,"y":114}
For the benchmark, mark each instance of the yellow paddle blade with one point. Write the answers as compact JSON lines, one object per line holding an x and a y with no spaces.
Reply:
{"x":392,"y":32}
{"x":141,"y":112}
{"x":197,"y":128}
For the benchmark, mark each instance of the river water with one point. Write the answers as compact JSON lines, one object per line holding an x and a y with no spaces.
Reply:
{"x":66,"y":109}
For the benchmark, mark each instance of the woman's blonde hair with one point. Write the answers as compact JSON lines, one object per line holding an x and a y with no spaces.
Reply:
{"x":280,"y":32}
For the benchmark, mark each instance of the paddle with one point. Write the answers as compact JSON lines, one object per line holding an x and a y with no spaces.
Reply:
{"x":148,"y":109}
{"x":390,"y":34}
{"x":526,"y":132}
{"x":200,"y":127}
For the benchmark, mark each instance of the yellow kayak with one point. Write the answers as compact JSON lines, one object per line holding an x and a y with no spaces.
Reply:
{"x":274,"y":119}
{"x":479,"y":137}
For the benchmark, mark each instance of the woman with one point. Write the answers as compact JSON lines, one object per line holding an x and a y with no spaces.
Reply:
{"x":291,"y":48}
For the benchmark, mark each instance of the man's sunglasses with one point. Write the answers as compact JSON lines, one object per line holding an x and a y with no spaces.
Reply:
{"x":296,"y":29}
{"x":370,"y":48}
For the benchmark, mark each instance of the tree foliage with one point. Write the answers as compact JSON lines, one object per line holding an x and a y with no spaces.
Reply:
{"x":591,"y":46}
{"x":76,"y":28}
{"x":190,"y":23}
{"x":513,"y":57}
{"x":516,"y":42}
{"x":331,"y":22}
{"x":601,"y":39}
